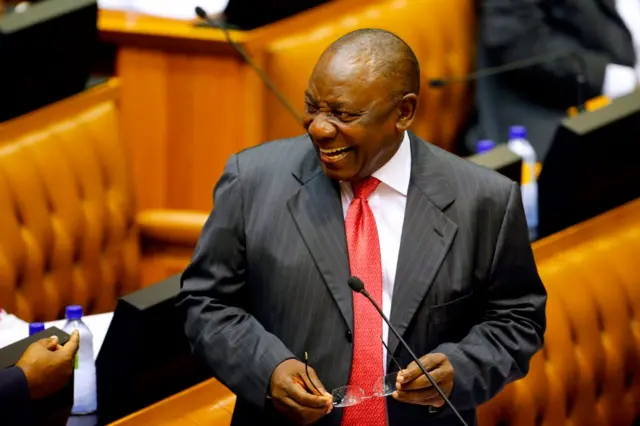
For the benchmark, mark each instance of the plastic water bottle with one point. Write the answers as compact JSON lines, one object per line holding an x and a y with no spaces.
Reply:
{"x":485,"y":145}
{"x":84,"y":387}
{"x":35,"y":327}
{"x":519,"y":145}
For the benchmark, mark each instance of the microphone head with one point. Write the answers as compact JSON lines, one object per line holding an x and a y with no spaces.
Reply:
{"x":356,"y":284}
{"x":201,"y":13}
{"x":437,"y":82}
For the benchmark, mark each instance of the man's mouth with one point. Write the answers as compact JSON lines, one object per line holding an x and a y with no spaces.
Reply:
{"x":334,"y":154}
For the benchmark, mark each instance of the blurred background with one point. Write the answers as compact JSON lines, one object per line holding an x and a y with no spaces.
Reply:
{"x":117,"y":117}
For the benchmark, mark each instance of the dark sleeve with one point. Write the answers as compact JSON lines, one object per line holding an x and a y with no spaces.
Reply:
{"x":497,"y":351}
{"x":513,"y":30}
{"x":14,"y":397}
{"x":233,"y":343}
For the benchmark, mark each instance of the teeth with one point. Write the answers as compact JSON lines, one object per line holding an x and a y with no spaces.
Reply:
{"x":334,"y":151}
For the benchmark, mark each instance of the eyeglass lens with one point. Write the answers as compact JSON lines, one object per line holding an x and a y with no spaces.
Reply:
{"x":347,"y":396}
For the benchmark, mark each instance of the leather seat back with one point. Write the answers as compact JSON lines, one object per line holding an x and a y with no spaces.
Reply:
{"x":67,"y":215}
{"x":589,"y":370}
{"x":441,"y":33}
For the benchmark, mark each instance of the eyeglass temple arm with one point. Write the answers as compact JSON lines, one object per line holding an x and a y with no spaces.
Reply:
{"x":390,"y":354}
{"x":306,"y":370}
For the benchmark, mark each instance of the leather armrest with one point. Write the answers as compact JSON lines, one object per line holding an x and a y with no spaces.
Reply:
{"x":174,"y":227}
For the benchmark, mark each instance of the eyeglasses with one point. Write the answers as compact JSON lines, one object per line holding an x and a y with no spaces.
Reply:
{"x":347,"y":396}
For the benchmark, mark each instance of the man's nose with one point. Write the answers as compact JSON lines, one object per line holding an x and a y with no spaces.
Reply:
{"x":321,"y":129}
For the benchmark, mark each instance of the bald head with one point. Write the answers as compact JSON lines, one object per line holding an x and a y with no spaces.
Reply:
{"x":361,"y":99}
{"x":385,"y":55}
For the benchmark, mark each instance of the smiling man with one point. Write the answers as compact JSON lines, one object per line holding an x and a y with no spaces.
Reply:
{"x":439,"y":242}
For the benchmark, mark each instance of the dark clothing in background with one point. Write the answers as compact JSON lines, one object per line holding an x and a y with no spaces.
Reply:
{"x":538,"y":97}
{"x":249,"y":14}
{"x":14,"y":397}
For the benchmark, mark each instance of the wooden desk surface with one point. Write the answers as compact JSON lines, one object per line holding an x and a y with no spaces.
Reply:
{"x":131,"y":28}
{"x":207,"y":404}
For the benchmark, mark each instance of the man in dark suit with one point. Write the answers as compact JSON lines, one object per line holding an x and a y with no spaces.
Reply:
{"x":598,"y":31}
{"x":44,"y":368}
{"x":439,"y":242}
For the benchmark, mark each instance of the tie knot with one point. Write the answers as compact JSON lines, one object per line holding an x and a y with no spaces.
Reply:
{"x":365,"y":188}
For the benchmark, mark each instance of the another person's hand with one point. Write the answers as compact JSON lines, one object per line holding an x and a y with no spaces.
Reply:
{"x":413,"y":386}
{"x":295,"y":396}
{"x":48,"y":366}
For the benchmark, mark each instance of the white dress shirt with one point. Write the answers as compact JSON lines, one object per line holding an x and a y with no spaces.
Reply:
{"x":620,"y":80}
{"x":388,"y":204}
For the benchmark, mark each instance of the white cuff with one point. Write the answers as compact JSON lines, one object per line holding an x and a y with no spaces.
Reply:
{"x":619,"y":80}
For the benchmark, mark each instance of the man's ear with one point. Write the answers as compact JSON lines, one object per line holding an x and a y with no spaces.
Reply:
{"x":407,"y":107}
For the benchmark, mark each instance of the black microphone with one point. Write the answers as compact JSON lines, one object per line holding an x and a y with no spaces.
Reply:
{"x":357,"y":286}
{"x":581,"y":73}
{"x":202,"y":14}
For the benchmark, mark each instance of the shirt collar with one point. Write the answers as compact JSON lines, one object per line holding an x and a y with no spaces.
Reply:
{"x":396,"y":173}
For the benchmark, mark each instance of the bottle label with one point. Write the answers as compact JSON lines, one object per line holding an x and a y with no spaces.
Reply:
{"x":529,"y":175}
{"x":75,"y":362}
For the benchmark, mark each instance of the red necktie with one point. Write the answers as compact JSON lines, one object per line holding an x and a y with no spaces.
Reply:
{"x":364,"y":259}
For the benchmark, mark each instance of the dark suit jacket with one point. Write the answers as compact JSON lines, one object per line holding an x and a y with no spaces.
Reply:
{"x":538,"y":97}
{"x":249,"y":14}
{"x":268,"y":280}
{"x":14,"y":397}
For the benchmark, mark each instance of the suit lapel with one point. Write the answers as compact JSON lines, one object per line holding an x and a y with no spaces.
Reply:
{"x":317,"y":211}
{"x":427,"y":234}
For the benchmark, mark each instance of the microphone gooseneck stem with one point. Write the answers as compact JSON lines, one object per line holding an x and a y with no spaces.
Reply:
{"x":581,"y":80}
{"x":252,"y":64}
{"x":580,"y":77}
{"x":415,"y":358}
{"x":497,"y":70}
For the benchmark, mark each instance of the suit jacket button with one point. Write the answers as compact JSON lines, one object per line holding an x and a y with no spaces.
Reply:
{"x":349,"y":336}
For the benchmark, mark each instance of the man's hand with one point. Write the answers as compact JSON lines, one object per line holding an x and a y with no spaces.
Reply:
{"x":414,"y":387}
{"x":295,"y":396}
{"x":48,"y":366}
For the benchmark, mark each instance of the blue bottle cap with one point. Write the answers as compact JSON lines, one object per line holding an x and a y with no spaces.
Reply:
{"x":485,"y":145}
{"x":74,"y":312}
{"x":35,"y":327}
{"x":517,"y":132}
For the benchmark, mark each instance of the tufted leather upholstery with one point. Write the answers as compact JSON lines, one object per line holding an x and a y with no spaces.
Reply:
{"x":69,"y":232}
{"x":442,"y":34}
{"x":589,"y":370}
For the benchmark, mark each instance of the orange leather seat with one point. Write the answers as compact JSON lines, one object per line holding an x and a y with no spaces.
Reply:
{"x":588,"y":373}
{"x":69,"y":231}
{"x":442,"y":34}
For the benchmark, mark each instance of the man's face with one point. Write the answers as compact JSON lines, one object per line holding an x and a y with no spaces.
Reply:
{"x":351,"y":117}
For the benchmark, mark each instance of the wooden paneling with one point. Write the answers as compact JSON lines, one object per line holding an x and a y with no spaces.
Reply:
{"x":189,"y":101}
